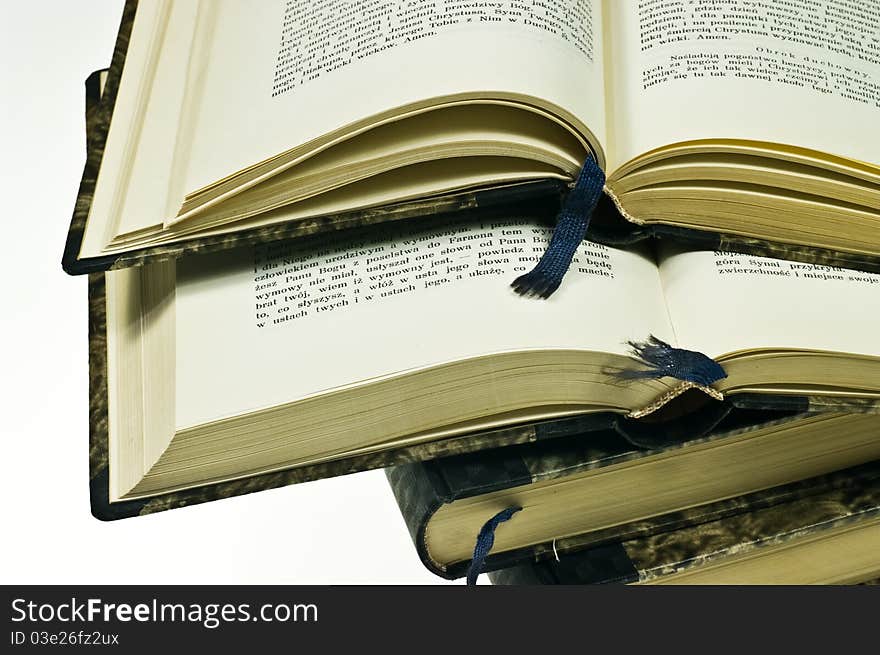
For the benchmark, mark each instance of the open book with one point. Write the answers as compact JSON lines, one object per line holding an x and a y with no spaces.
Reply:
{"x":234,"y":120}
{"x":235,"y":364}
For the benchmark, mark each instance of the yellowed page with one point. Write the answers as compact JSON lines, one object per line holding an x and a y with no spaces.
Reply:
{"x":722,"y":302}
{"x":281,"y":73}
{"x":798,"y":72}
{"x":260,"y":328}
{"x":132,"y":189}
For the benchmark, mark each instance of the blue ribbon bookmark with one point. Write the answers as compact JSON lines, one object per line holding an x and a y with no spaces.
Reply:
{"x":485,"y":541}
{"x":664,"y":360}
{"x":571,"y":227}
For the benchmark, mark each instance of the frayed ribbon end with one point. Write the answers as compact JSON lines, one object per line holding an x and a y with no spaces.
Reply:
{"x":665,"y":361}
{"x":536,"y":283}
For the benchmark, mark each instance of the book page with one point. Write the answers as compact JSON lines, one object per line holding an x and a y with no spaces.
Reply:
{"x":260,"y":327}
{"x":132,"y":192}
{"x":798,"y":72}
{"x":280,"y":73}
{"x":722,"y":302}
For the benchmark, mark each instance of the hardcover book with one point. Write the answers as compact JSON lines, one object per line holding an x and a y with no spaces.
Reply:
{"x":587,"y":491}
{"x":255,"y":360}
{"x":237,"y":123}
{"x":826,"y":533}
{"x":226,"y":373}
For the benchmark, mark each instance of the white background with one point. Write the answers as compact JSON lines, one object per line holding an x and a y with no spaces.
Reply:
{"x":337,"y":531}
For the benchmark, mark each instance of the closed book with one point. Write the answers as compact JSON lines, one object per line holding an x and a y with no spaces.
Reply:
{"x":823,"y":533}
{"x":591,"y":490}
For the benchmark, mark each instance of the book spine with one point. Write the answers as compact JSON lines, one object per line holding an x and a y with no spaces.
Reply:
{"x":419,"y":492}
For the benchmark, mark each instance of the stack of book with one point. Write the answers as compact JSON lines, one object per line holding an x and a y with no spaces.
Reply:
{"x":300,"y":223}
